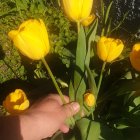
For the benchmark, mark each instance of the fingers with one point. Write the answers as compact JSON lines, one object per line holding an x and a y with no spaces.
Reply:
{"x":70,"y":109}
{"x":49,"y":102}
{"x":57,"y":98}
{"x":64,"y":128}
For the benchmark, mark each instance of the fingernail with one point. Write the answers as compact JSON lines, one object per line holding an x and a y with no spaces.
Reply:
{"x":75,"y":106}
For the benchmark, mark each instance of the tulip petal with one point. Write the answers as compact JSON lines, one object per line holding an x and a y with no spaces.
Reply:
{"x":109,"y":49}
{"x":101,"y":49}
{"x":16,"y":102}
{"x":24,"y":105}
{"x":70,"y":7}
{"x":16,"y":107}
{"x":12,"y":34}
{"x":115,"y":52}
{"x":77,"y":10}
{"x":90,"y":100}
{"x":44,"y":35}
{"x":14,"y":96}
{"x":31,"y":39}
{"x":88,"y":20}
{"x":135,"y":56}
{"x":29,"y":45}
{"x":86,"y":8}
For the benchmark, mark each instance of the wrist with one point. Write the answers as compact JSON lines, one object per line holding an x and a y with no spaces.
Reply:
{"x":29,"y":127}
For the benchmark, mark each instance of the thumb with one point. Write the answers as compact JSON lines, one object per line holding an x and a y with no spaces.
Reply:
{"x":70,"y":109}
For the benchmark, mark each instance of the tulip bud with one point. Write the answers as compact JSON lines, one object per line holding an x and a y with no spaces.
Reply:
{"x":109,"y":49}
{"x":88,"y":20}
{"x":16,"y":102}
{"x":77,"y":10}
{"x":31,"y":39}
{"x":89,"y":99}
{"x":135,"y":56}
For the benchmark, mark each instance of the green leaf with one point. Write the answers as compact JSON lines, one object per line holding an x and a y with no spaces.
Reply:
{"x":108,"y":11}
{"x":121,"y":22}
{"x":93,"y":33}
{"x":102,"y":8}
{"x":71,"y":91}
{"x":80,"y":58}
{"x":137,"y":101}
{"x":90,"y":130}
{"x":122,"y":87}
{"x":89,"y":31}
{"x":109,"y":27}
{"x":92,"y":36}
{"x":121,"y":126}
{"x":80,"y":91}
{"x":110,"y":133}
{"x":135,"y":110}
{"x":92,"y":84}
{"x":94,"y":131}
{"x":79,"y":73}
{"x":129,"y":119}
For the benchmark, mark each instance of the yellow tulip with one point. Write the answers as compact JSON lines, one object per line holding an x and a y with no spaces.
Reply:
{"x":109,"y":49}
{"x":77,"y":10}
{"x":31,"y":39}
{"x":135,"y":56}
{"x":89,"y":99}
{"x":16,"y":102}
{"x":88,"y":20}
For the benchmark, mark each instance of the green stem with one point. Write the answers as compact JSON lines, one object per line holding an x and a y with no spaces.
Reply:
{"x":92,"y":115}
{"x":78,"y":27}
{"x":54,"y":81}
{"x":101,"y":77}
{"x":103,"y":32}
{"x":70,"y":121}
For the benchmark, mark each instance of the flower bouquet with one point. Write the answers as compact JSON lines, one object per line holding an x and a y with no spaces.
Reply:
{"x":104,"y":80}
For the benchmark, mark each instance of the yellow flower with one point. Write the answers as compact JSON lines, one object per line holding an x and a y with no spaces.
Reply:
{"x":89,"y":99}
{"x":16,"y":102}
{"x":88,"y":20}
{"x":135,"y":56}
{"x":77,"y":10}
{"x":31,"y":39}
{"x":109,"y":49}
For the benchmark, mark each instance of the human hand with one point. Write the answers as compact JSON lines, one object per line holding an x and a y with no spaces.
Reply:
{"x":47,"y":116}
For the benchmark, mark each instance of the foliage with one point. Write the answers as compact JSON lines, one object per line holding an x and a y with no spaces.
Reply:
{"x":111,"y":116}
{"x":115,"y":85}
{"x":11,"y":65}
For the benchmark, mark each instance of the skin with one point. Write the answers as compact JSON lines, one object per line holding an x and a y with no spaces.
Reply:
{"x":42,"y":120}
